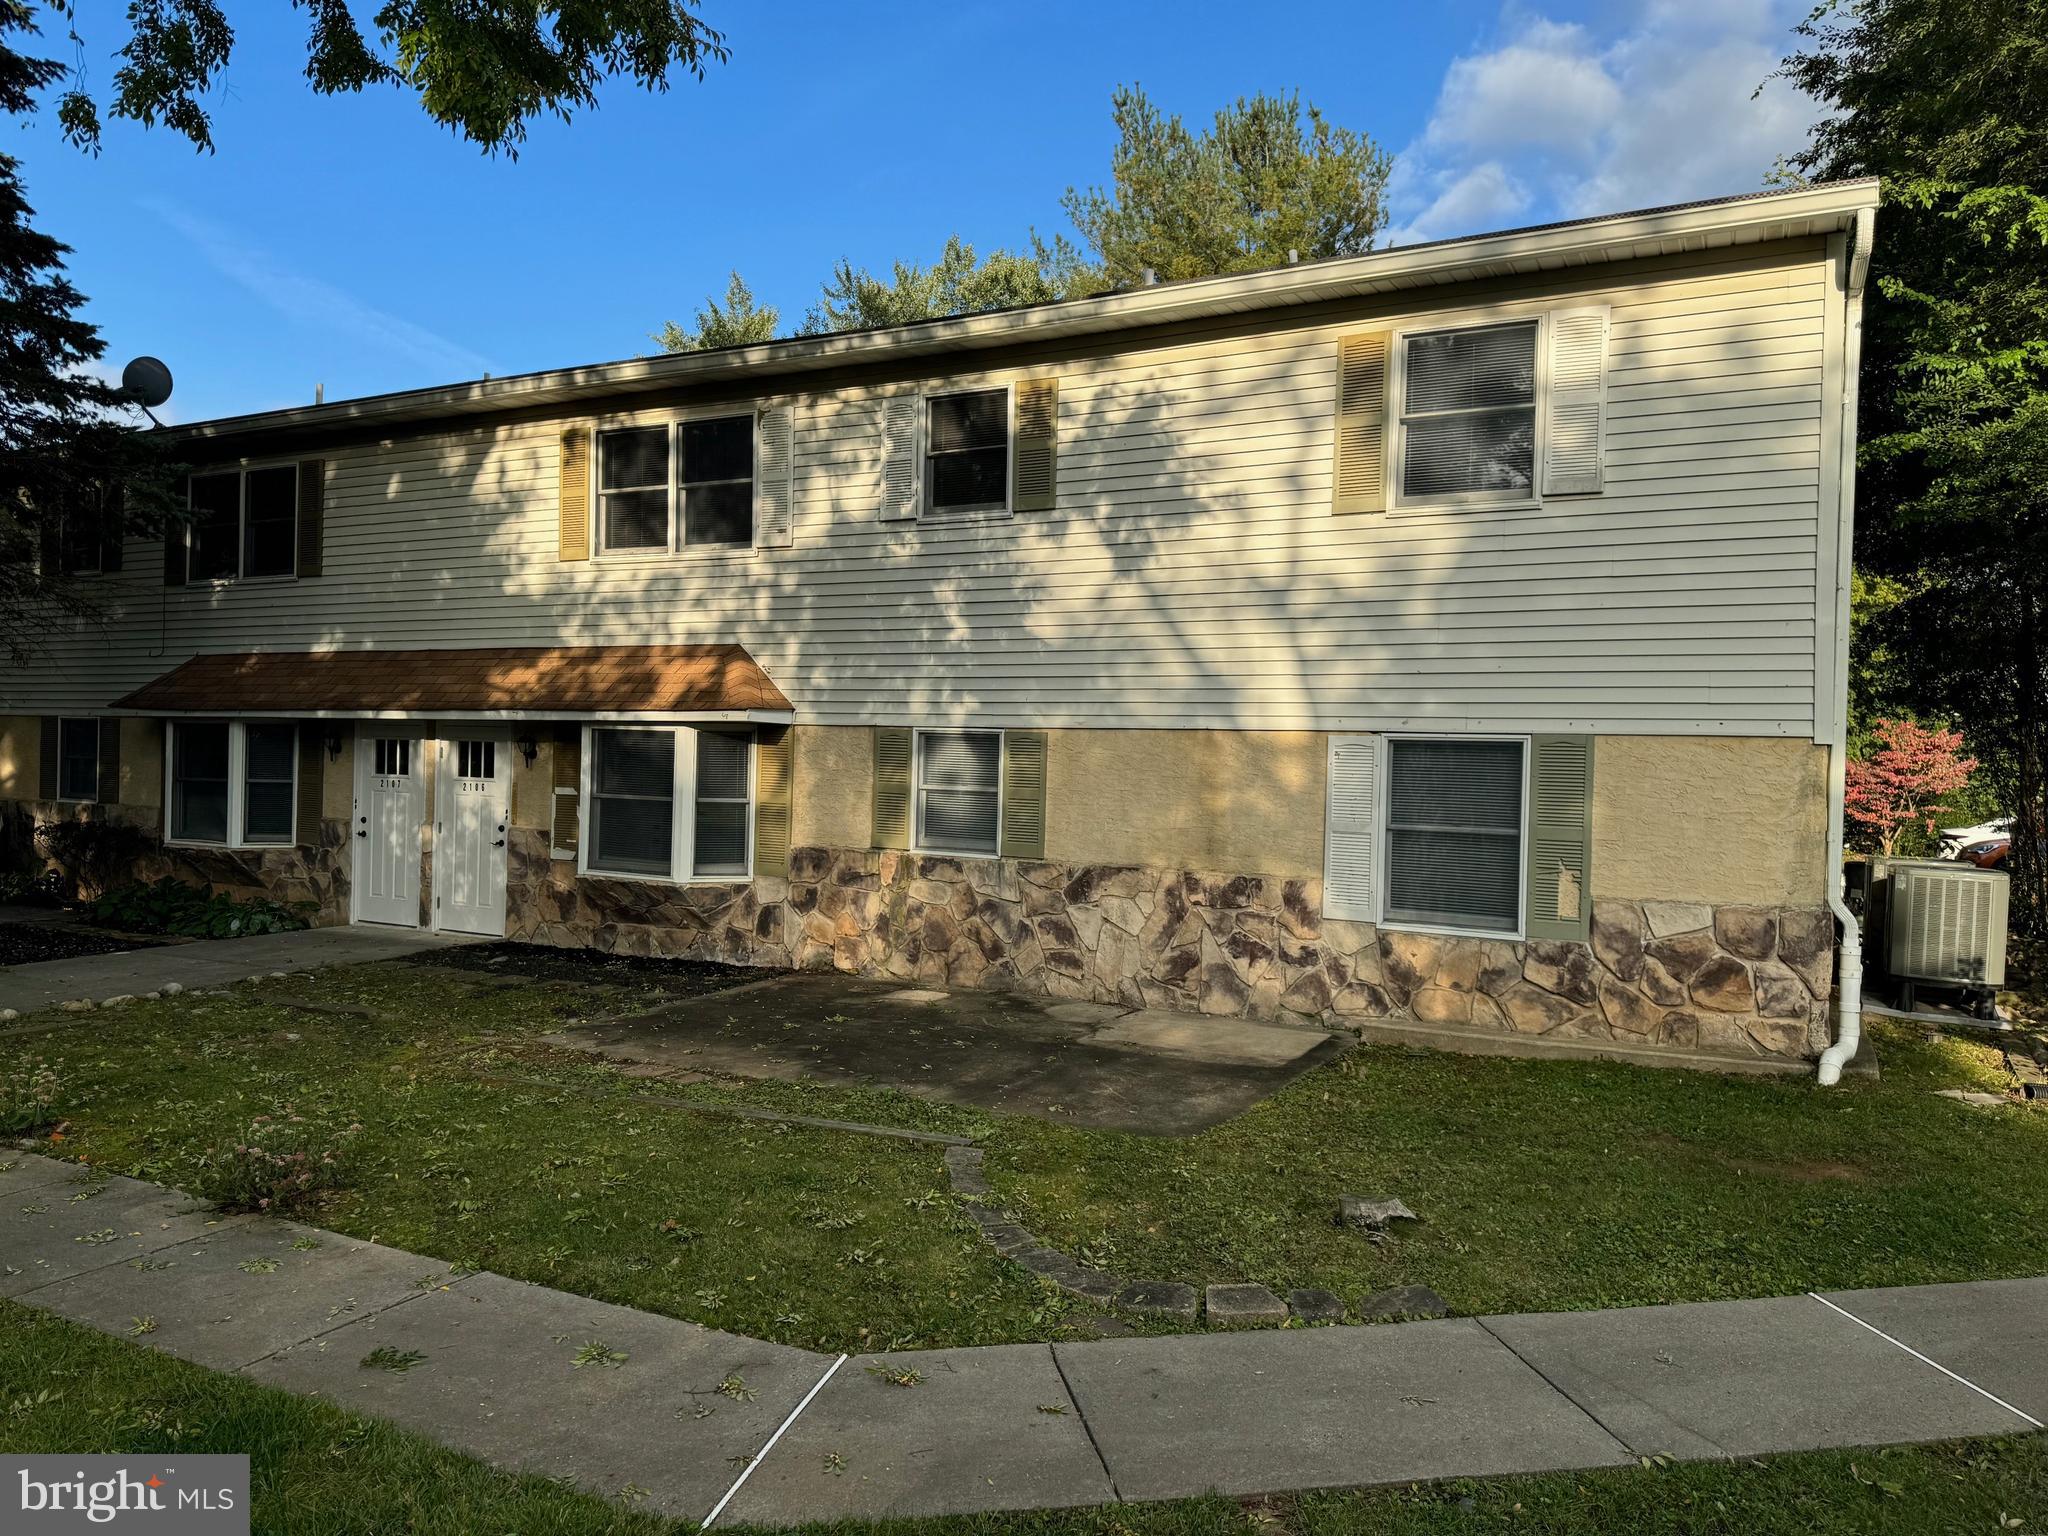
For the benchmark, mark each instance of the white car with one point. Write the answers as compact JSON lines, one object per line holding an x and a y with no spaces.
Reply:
{"x":1955,"y":839}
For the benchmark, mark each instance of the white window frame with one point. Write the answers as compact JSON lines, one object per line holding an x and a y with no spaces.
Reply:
{"x":1397,"y":414}
{"x":1383,"y":801}
{"x":673,"y":422}
{"x":98,"y":726}
{"x":238,"y":786}
{"x":917,"y":838}
{"x":241,"y":470}
{"x":682,"y":853}
{"x":927,"y":481}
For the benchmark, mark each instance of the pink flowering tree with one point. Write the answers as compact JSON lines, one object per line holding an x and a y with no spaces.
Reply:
{"x":1904,"y":778}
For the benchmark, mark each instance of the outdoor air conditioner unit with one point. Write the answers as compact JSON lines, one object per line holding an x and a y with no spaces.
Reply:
{"x":1946,"y":922}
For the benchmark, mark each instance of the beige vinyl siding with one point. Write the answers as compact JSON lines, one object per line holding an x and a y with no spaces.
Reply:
{"x":1191,"y":574}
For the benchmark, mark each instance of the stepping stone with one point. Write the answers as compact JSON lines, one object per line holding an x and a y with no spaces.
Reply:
{"x":983,"y":1429}
{"x":1244,"y":1306}
{"x":1159,"y":1298}
{"x":1401,"y":1303}
{"x":1313,"y":1306}
{"x":498,"y":1381}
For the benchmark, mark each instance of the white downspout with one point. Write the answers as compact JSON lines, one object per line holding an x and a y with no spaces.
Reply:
{"x":1849,"y":959}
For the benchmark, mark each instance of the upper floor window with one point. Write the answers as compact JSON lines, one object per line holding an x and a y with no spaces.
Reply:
{"x":1468,"y":414}
{"x":673,"y":486}
{"x":967,"y":452}
{"x":244,"y":523}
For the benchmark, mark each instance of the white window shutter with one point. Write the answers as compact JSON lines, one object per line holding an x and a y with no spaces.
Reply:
{"x":1578,"y":396}
{"x":774,"y":479}
{"x":1352,"y":833}
{"x":901,"y":491}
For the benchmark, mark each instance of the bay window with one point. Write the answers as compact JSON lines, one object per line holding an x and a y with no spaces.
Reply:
{"x":670,"y":803}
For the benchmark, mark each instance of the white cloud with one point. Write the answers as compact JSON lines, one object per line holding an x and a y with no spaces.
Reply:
{"x":1554,"y":122}
{"x":314,"y":302}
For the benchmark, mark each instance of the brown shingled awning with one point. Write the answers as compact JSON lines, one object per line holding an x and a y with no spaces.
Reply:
{"x":556,"y":681}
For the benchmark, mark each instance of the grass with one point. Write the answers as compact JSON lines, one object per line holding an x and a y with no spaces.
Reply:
{"x":1541,"y":1185}
{"x":320,"y":1471}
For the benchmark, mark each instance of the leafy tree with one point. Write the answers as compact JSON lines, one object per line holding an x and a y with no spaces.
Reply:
{"x":1947,"y":100}
{"x":1234,"y":198}
{"x":483,"y":69}
{"x":739,"y":322}
{"x":1901,"y":783}
{"x":72,"y":472}
{"x":959,"y":283}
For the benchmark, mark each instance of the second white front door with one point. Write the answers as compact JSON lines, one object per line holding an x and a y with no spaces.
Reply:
{"x":475,"y":813}
{"x":390,"y":805}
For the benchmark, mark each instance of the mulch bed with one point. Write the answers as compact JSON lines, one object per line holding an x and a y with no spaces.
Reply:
{"x":27,"y":943}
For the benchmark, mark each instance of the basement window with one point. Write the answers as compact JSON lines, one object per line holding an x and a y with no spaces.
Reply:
{"x":78,"y":759}
{"x":1454,"y":833}
{"x":959,"y":791}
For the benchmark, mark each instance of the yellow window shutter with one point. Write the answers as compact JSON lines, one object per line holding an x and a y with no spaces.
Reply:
{"x":1023,"y":794}
{"x":772,"y":776}
{"x":892,"y":786}
{"x":1560,"y":885}
{"x":312,"y":779}
{"x":1360,"y":473}
{"x":568,"y":774}
{"x":1037,"y":447}
{"x":575,"y":493}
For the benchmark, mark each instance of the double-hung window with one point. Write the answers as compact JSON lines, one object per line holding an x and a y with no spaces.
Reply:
{"x":78,"y":759}
{"x":1454,"y":819}
{"x":233,"y":784}
{"x":959,"y":791}
{"x":1468,"y":415}
{"x":670,"y":803}
{"x":967,"y":452}
{"x":244,"y":523}
{"x":678,"y":485}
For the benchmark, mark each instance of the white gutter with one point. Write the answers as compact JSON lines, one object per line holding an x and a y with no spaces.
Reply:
{"x":1849,"y":958}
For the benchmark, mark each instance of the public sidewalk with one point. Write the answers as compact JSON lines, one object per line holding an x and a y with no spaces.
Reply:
{"x":681,"y":1411}
{"x":205,"y":963}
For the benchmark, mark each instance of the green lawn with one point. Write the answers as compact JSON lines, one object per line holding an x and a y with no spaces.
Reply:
{"x":1541,"y":1185}
{"x":319,"y":1471}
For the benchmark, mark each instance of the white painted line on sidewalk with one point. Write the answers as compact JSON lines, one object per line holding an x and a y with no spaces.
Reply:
{"x":748,"y":1470}
{"x":1909,"y":1349}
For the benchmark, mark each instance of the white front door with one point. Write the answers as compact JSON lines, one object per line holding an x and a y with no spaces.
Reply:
{"x":475,"y":774}
{"x":391,"y":804}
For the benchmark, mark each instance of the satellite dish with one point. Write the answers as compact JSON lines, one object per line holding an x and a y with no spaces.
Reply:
{"x":147,"y":382}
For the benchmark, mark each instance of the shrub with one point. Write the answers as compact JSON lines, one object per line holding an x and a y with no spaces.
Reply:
{"x":282,"y":1162}
{"x":92,"y":852}
{"x":192,"y":911}
{"x":30,"y":888}
{"x":28,"y":1098}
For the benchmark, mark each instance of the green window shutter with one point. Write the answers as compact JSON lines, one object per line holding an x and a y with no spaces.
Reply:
{"x":1560,"y":886}
{"x":312,"y":775}
{"x":568,"y":774}
{"x":1359,"y":475}
{"x":772,"y":784}
{"x":1037,"y":445}
{"x":312,"y":515}
{"x":892,"y":786}
{"x":1023,"y":794}
{"x":574,"y":467}
{"x":46,"y":781}
{"x":110,"y":761}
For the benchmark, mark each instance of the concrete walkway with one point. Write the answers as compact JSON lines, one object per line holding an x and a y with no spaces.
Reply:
{"x":680,"y":1412}
{"x":208,"y":963}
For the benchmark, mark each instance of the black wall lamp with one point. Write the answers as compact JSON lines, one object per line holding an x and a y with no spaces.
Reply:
{"x":333,"y":743}
{"x":529,"y":747}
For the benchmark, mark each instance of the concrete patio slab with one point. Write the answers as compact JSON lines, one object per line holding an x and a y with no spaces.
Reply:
{"x":1742,"y":1378}
{"x":1990,"y":1332}
{"x":499,"y":1380}
{"x":1256,"y":1413}
{"x":219,"y":1301}
{"x":1153,"y":1073}
{"x":58,"y":1228}
{"x":30,"y":988}
{"x":983,"y":1429}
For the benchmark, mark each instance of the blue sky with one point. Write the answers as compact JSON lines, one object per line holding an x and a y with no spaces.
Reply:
{"x":349,"y":242}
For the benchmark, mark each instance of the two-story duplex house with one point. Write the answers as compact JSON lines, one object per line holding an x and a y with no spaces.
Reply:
{"x":1452,"y":637}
